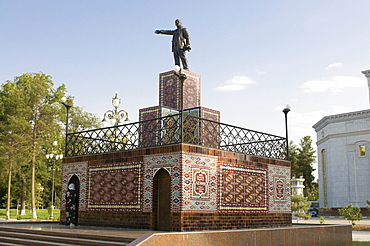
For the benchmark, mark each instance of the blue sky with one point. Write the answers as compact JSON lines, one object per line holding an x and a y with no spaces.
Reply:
{"x":254,"y":56}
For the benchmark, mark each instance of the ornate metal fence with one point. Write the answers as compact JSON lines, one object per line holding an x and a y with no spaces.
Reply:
{"x":172,"y":130}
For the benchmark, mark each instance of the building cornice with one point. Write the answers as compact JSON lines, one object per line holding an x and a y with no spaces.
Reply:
{"x":340,"y":135}
{"x":363,"y":114}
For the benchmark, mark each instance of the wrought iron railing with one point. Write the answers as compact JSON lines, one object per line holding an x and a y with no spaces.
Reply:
{"x":172,"y":130}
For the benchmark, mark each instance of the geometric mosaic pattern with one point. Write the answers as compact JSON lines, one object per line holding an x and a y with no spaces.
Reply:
{"x":149,"y":134}
{"x":279,"y":189}
{"x":80,"y":170}
{"x":170,"y":90}
{"x":115,"y":187}
{"x":243,"y":189}
{"x":200,"y":183}
{"x":204,"y":135}
{"x":152,"y":163}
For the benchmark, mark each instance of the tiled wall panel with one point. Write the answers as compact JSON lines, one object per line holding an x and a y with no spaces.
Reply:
{"x":80,"y":170}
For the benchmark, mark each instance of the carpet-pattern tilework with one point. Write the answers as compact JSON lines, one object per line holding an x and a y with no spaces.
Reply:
{"x":80,"y":170}
{"x":115,"y":187}
{"x":243,"y":189}
{"x":279,"y":189}
{"x":170,"y":90}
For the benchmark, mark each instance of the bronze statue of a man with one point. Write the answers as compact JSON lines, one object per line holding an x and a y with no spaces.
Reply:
{"x":180,"y":43}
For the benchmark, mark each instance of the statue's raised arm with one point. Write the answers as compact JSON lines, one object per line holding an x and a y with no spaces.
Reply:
{"x":180,"y":43}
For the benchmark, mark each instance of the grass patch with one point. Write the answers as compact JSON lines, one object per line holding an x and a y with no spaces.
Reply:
{"x":359,"y":243}
{"x":42,"y":214}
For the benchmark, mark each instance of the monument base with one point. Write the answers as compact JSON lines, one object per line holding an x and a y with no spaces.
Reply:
{"x":179,"y":187}
{"x":303,"y":235}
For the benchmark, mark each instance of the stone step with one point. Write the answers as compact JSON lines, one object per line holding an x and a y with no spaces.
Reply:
{"x":24,"y":241}
{"x":72,"y":234}
{"x":36,"y":237}
{"x":10,"y":244}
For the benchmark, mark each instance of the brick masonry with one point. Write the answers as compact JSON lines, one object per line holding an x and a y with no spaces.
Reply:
{"x":210,"y":188}
{"x":225,"y":221}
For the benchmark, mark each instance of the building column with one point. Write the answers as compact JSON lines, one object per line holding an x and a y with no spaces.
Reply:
{"x":367,"y":74}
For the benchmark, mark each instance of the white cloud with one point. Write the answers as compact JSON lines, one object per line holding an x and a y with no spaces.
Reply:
{"x":306,"y":120}
{"x":300,"y":124}
{"x":261,"y":72}
{"x":236,"y":83}
{"x":333,"y":65}
{"x":230,"y":88}
{"x":340,"y":109}
{"x":336,"y":84}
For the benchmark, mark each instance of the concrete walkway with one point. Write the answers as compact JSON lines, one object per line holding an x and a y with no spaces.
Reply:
{"x":356,"y":235}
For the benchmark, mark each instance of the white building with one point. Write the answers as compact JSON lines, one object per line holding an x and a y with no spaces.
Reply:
{"x":344,"y":159}
{"x":297,"y":185}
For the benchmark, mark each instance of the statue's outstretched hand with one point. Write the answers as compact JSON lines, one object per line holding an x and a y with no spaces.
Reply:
{"x":157,"y":32}
{"x":187,"y":48}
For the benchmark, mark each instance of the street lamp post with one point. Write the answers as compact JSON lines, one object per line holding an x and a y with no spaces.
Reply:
{"x":40,"y":188}
{"x":68,"y":106}
{"x":182,"y":78}
{"x":286,"y":111}
{"x":116,"y":114}
{"x":54,"y":157}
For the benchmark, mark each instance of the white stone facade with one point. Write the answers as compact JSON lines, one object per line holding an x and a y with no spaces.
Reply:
{"x":344,"y":159}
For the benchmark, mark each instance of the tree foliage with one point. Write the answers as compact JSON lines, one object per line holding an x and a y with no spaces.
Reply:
{"x":32,"y":117}
{"x":302,"y":157}
{"x":300,"y":207}
{"x":351,"y":213}
{"x":368,"y":203}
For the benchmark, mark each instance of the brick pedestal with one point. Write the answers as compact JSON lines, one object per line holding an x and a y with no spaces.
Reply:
{"x":170,"y":90}
{"x":170,"y":103}
{"x":210,"y":189}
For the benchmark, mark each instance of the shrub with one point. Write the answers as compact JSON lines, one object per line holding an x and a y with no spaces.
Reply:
{"x":321,"y":220}
{"x":351,"y":213}
{"x":300,"y":207}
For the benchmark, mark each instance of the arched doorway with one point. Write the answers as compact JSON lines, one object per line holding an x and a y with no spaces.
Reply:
{"x":72,"y":200}
{"x":162,"y":200}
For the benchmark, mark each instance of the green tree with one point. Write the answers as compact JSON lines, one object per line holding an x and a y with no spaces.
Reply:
{"x":300,"y":207}
{"x":293,"y":157}
{"x":32,"y":117}
{"x":302,"y":157}
{"x":81,"y":120}
{"x":13,"y":140}
{"x":313,"y":193}
{"x":351,"y":213}
{"x":30,"y":114}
